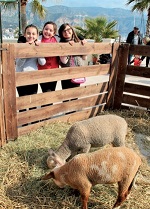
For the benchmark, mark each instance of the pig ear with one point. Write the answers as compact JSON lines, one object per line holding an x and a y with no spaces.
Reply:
{"x":51,"y":152}
{"x":58,"y":161}
{"x":48,"y":176}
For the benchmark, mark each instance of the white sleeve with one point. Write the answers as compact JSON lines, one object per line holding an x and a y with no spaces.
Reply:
{"x":20,"y":62}
{"x":42,"y":61}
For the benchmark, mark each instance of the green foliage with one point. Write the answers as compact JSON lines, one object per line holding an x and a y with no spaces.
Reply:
{"x":98,"y":29}
{"x":95,"y":55}
{"x":36,"y":7}
{"x":139,"y":5}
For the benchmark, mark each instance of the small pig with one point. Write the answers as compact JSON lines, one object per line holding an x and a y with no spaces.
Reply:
{"x":93,"y":132}
{"x":106,"y":166}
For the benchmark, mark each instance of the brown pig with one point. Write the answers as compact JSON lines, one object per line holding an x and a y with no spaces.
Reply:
{"x":106,"y":166}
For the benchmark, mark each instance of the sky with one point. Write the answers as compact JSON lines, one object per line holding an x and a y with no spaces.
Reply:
{"x":89,"y":3}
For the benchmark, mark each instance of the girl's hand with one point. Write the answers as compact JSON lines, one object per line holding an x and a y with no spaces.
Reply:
{"x":37,"y":43}
{"x":71,"y":43}
{"x":83,"y":41}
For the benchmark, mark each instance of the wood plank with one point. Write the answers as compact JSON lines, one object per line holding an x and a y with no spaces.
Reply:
{"x":77,"y":116}
{"x":122,"y":66}
{"x":138,"y":71}
{"x":60,"y":49}
{"x":36,"y":100}
{"x":9,"y":90}
{"x":113,"y":76}
{"x":139,"y":49}
{"x":40,"y":76}
{"x":137,"y":89}
{"x":137,"y":101}
{"x":60,"y":108}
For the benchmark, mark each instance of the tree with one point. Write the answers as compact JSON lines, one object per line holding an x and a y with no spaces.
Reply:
{"x":98,"y":28}
{"x":35,"y":5}
{"x":141,"y":5}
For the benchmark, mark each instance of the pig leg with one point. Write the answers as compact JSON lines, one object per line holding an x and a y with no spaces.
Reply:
{"x":120,"y":199}
{"x":124,"y":188}
{"x":85,"y":189}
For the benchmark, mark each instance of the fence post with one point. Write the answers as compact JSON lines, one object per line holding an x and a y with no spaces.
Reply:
{"x":9,"y":90}
{"x":113,"y":75}
{"x":122,"y":67}
{"x":2,"y":124}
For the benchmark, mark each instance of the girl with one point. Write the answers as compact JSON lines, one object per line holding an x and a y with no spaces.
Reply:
{"x":67,"y":34}
{"x":49,"y":36}
{"x":29,"y":64}
{"x":136,"y":60}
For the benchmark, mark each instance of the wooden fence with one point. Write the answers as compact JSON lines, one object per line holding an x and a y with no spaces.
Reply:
{"x":92,"y":98}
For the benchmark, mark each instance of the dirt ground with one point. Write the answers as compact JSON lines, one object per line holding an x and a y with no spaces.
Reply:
{"x":143,"y":143}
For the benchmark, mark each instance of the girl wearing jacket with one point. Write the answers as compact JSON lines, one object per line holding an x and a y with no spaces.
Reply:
{"x":67,"y":34}
{"x":49,"y":36}
{"x":29,"y":64}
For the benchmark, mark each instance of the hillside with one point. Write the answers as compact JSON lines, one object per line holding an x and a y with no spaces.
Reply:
{"x":76,"y":16}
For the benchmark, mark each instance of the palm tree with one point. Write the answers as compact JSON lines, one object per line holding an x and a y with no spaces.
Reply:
{"x":141,"y":5}
{"x":98,"y":28}
{"x":35,"y":5}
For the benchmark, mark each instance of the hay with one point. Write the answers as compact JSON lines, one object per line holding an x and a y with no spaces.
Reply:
{"x":23,"y":162}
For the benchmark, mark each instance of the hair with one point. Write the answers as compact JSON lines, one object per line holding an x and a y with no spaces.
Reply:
{"x":137,"y":56}
{"x":146,"y":38}
{"x":136,"y":28}
{"x":31,"y":26}
{"x":51,"y":23}
{"x":60,"y":32}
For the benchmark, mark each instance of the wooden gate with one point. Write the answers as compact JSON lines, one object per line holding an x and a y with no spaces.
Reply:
{"x":92,"y":98}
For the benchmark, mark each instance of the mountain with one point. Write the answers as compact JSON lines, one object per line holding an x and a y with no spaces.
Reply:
{"x":76,"y":15}
{"x":88,"y":3}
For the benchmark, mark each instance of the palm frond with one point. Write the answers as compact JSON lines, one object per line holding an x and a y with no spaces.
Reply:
{"x":9,"y":5}
{"x":38,"y":8}
{"x":139,"y":5}
{"x":98,"y":28}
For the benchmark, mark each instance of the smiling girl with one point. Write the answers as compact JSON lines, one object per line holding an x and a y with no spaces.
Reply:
{"x":68,"y":34}
{"x":49,"y":36}
{"x":29,"y":64}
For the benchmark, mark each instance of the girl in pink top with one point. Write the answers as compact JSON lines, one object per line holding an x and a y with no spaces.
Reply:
{"x":49,"y":36}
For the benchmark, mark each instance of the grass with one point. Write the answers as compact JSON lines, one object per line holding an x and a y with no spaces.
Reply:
{"x":23,"y":162}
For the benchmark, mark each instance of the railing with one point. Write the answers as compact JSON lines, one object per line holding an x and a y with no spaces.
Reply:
{"x":132,"y":94}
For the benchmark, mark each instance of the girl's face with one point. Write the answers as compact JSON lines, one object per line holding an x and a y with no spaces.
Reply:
{"x":67,"y":32}
{"x":31,"y":34}
{"x":48,"y":31}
